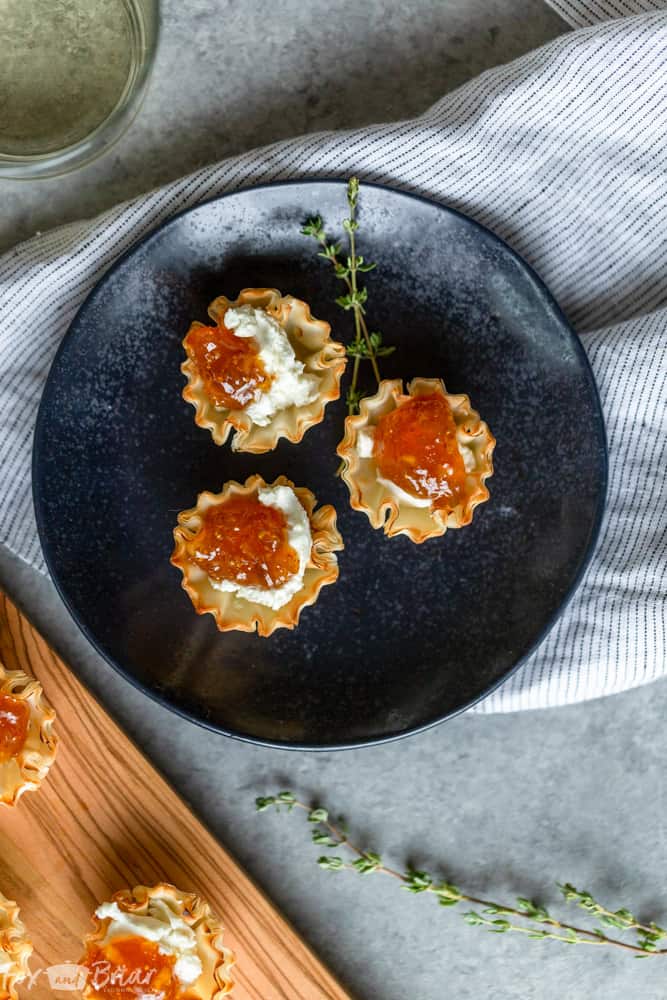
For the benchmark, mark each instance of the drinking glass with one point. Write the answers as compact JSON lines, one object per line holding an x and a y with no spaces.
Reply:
{"x":72,"y":77}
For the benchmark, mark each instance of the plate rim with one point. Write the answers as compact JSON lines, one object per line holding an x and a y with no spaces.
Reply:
{"x":163,"y":700}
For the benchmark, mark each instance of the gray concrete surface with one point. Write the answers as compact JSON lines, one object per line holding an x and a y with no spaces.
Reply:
{"x":504,"y":804}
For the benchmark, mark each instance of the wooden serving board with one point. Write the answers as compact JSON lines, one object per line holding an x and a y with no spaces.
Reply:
{"x":105,"y":819}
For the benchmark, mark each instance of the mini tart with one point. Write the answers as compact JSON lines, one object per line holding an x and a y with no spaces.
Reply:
{"x":384,"y":510}
{"x":233,"y":612}
{"x":15,"y":948}
{"x":310,"y":339}
{"x":24,"y":767}
{"x":215,"y":980}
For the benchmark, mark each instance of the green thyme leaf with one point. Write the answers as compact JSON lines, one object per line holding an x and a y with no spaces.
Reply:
{"x":368,"y":862}
{"x":417,"y":881}
{"x":448,"y":894}
{"x":332,"y":864}
{"x":324,"y":839}
{"x":313,"y":227}
{"x":499,"y":926}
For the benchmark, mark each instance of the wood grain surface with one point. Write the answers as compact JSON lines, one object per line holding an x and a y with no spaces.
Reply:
{"x":105,"y":819}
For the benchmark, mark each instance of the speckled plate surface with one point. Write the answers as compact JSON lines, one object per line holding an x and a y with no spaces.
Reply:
{"x":410,"y":634}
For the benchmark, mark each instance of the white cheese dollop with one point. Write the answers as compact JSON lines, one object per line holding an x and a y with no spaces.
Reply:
{"x":403,"y":496}
{"x":299,"y":536}
{"x":365,"y":441}
{"x":289,"y":385}
{"x":468,"y":454}
{"x":7,"y":963}
{"x":163,"y":925}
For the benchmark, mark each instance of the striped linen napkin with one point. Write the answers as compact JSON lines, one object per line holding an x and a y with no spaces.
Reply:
{"x":563,"y":153}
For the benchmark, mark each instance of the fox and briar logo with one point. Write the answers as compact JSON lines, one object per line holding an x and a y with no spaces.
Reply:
{"x":70,"y":977}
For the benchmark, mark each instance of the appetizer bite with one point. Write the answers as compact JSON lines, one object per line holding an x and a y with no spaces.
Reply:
{"x":266,"y":370}
{"x":156,"y":942}
{"x":27,"y":741}
{"x":15,"y":949}
{"x":255,"y":554}
{"x":416,"y":463}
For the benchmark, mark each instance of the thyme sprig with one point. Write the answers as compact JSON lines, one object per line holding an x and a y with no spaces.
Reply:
{"x":366,"y":345}
{"x":524,"y":917}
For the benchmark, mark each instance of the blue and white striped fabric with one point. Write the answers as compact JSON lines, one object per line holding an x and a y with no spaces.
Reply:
{"x":563,"y":153}
{"x":582,"y":13}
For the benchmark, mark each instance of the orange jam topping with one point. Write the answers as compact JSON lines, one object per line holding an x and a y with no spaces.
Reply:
{"x":245,"y":541}
{"x":229,"y":366}
{"x":415,"y":448}
{"x":129,"y":967}
{"x":14,"y":719}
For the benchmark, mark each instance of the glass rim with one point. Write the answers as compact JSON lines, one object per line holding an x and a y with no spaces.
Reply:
{"x":54,"y":162}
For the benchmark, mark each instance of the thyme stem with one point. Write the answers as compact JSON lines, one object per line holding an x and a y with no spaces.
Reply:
{"x":535,"y":919}
{"x":359,"y":323}
{"x":366,"y":345}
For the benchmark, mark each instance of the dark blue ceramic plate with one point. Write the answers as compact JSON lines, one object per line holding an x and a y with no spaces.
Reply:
{"x":410,"y":634}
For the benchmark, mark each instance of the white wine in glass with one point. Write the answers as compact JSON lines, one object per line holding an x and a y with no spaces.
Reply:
{"x":71,"y":73}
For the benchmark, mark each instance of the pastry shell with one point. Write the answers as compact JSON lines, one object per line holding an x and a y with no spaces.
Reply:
{"x":215,"y":980}
{"x":310,"y":338}
{"x":232,"y":612}
{"x":27,"y":770}
{"x":369,"y":495}
{"x":15,"y":945}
